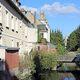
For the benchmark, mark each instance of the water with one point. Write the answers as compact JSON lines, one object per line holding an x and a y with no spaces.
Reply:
{"x":54,"y":75}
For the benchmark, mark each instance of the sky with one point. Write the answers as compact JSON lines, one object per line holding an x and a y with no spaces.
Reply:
{"x":61,"y":14}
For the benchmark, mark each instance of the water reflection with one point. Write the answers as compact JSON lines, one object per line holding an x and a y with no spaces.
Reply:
{"x":58,"y":76}
{"x":69,"y":78}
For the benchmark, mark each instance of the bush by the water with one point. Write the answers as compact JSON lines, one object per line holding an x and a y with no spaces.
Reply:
{"x":61,"y":49}
{"x":78,"y":50}
{"x":45,"y":60}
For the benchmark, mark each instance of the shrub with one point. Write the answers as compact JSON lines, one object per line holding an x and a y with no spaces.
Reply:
{"x":78,"y":50}
{"x":61,"y":49}
{"x":26,"y":67}
{"x":48,"y":61}
{"x":44,"y":60}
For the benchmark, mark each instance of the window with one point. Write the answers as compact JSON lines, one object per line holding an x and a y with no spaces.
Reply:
{"x":17,"y":44}
{"x":25,"y":36}
{"x":12,"y":23}
{"x":16,"y":25}
{"x":12,"y":43}
{"x":25,"y":32}
{"x":7,"y":20}
{"x":0,"y":15}
{"x":20,"y":24}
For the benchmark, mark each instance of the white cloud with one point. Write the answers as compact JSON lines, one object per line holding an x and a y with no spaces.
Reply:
{"x":30,"y":9}
{"x":60,"y":8}
{"x":56,"y":7}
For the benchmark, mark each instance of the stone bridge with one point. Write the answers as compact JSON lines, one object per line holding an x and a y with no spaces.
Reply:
{"x":70,"y":60}
{"x":65,"y":58}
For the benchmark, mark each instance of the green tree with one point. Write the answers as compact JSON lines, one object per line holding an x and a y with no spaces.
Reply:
{"x":56,"y":37}
{"x":78,"y":36}
{"x":48,"y":61}
{"x":73,"y":42}
{"x":59,"y":37}
{"x":61,"y":49}
{"x":44,"y":60}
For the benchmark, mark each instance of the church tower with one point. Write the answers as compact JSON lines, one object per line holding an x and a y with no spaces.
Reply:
{"x":42,"y":16}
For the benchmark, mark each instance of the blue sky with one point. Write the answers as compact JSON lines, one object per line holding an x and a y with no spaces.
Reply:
{"x":61,"y":14}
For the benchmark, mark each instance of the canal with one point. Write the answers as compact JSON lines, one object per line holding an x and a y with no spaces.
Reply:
{"x":54,"y":75}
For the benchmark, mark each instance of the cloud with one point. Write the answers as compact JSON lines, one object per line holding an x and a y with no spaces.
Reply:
{"x":30,"y":9}
{"x":59,"y":8}
{"x":55,"y":8}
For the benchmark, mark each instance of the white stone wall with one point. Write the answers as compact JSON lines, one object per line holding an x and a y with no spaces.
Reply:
{"x":31,"y":35}
{"x":0,"y":14}
{"x":16,"y":32}
{"x":2,"y":53}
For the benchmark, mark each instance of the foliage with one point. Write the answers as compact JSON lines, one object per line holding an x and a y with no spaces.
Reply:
{"x":26,"y":67}
{"x":44,"y":41}
{"x":22,"y":76}
{"x":78,"y":50}
{"x":73,"y":42}
{"x":48,"y":61}
{"x":52,"y":37}
{"x":26,"y":62}
{"x":61,"y":49}
{"x":56,"y":37}
{"x":78,"y":36}
{"x":44,"y":60}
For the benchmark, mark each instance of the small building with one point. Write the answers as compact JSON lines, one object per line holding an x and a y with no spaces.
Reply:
{"x":44,"y":27}
{"x":41,"y":23}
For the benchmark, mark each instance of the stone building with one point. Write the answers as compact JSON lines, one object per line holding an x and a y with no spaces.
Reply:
{"x":16,"y":30}
{"x":40,"y":23}
{"x":17,"y":33}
